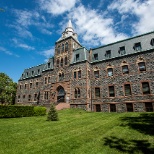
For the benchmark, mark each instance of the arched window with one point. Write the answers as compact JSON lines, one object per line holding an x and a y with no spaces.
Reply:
{"x":65,"y":60}
{"x":60,"y":94}
{"x":66,"y":46}
{"x":61,"y":64}
{"x":62,"y":47}
{"x":57,"y":62}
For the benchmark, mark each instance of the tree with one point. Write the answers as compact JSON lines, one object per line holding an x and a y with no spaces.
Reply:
{"x":7,"y":89}
{"x":52,"y":114}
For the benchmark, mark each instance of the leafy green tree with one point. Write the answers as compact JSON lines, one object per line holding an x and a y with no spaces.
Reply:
{"x":52,"y":114}
{"x":7,"y":89}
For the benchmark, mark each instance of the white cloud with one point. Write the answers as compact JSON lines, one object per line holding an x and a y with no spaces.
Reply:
{"x":2,"y":49}
{"x":25,"y":46}
{"x":47,"y":53}
{"x":25,"y":19}
{"x":22,"y":45}
{"x":45,"y":31}
{"x":57,"y":7}
{"x":143,"y":10}
{"x":95,"y":28}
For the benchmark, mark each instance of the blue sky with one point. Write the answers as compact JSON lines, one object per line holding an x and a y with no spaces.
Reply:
{"x":29,"y":29}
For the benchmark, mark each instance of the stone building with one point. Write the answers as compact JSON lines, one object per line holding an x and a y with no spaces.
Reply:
{"x":118,"y":77}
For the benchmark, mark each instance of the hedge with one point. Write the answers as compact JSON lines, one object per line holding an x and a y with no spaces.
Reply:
{"x":12,"y":111}
{"x":39,"y":111}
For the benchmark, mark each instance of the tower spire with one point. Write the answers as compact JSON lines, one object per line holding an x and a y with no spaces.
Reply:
{"x":69,"y":31}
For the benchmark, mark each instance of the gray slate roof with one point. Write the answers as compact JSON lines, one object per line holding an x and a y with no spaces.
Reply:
{"x":79,"y":55}
{"x":37,"y":70}
{"x":129,"y":44}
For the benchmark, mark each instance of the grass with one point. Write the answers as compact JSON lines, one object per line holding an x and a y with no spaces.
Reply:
{"x":79,"y":132}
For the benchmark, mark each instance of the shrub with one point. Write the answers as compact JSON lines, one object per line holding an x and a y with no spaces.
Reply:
{"x":39,"y":111}
{"x":52,"y":114}
{"x":12,"y":111}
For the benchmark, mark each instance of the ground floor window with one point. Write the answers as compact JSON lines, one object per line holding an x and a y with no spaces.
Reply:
{"x":112,"y":108}
{"x":148,"y":107}
{"x":98,"y":108}
{"x":129,"y":107}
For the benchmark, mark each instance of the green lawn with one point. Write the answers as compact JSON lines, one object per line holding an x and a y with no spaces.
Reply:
{"x":79,"y":132}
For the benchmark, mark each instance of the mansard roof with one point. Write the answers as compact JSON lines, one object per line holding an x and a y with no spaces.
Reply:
{"x":125,"y":47}
{"x":79,"y":55}
{"x":37,"y":70}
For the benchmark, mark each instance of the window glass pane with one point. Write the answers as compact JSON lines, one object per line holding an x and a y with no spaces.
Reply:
{"x":145,"y":88}
{"x":110,"y":71}
{"x":142,"y":66}
{"x":75,"y":75}
{"x":77,"y":57}
{"x":79,"y":74}
{"x":111,"y":91}
{"x":97,"y":92}
{"x":96,"y":74}
{"x":96,"y":56}
{"x":127,"y":89}
{"x":125,"y":69}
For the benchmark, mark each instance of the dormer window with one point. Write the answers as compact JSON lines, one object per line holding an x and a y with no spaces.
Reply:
{"x":122,"y":50}
{"x":137,"y":46}
{"x":77,"y":57}
{"x":27,"y":74}
{"x":38,"y":71}
{"x":96,"y":56}
{"x":108,"y":54}
{"x":152,"y":42}
{"x":48,"y":65}
{"x":32,"y":73}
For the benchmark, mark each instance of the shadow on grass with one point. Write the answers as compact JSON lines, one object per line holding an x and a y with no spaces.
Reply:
{"x":143,"y":123}
{"x":131,"y":146}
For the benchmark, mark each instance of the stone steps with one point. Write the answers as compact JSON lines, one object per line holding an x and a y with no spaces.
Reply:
{"x":61,"y":106}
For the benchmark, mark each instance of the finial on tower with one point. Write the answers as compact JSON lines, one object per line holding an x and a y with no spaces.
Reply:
{"x":69,"y":24}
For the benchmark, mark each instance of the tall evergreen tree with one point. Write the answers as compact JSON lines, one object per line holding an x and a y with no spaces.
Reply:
{"x":52,"y":114}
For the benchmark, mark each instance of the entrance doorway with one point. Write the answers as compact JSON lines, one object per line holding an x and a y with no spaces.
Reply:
{"x":61,"y":94}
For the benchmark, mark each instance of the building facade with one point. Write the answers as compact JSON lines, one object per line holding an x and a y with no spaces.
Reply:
{"x":118,"y":77}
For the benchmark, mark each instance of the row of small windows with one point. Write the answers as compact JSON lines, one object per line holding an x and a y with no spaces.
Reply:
{"x":30,"y":85}
{"x":36,"y":96}
{"x":32,"y":73}
{"x":129,"y":107}
{"x":127,"y":90}
{"x":122,"y":50}
{"x":125,"y":70}
{"x":61,"y":62}
{"x":62,"y":48}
